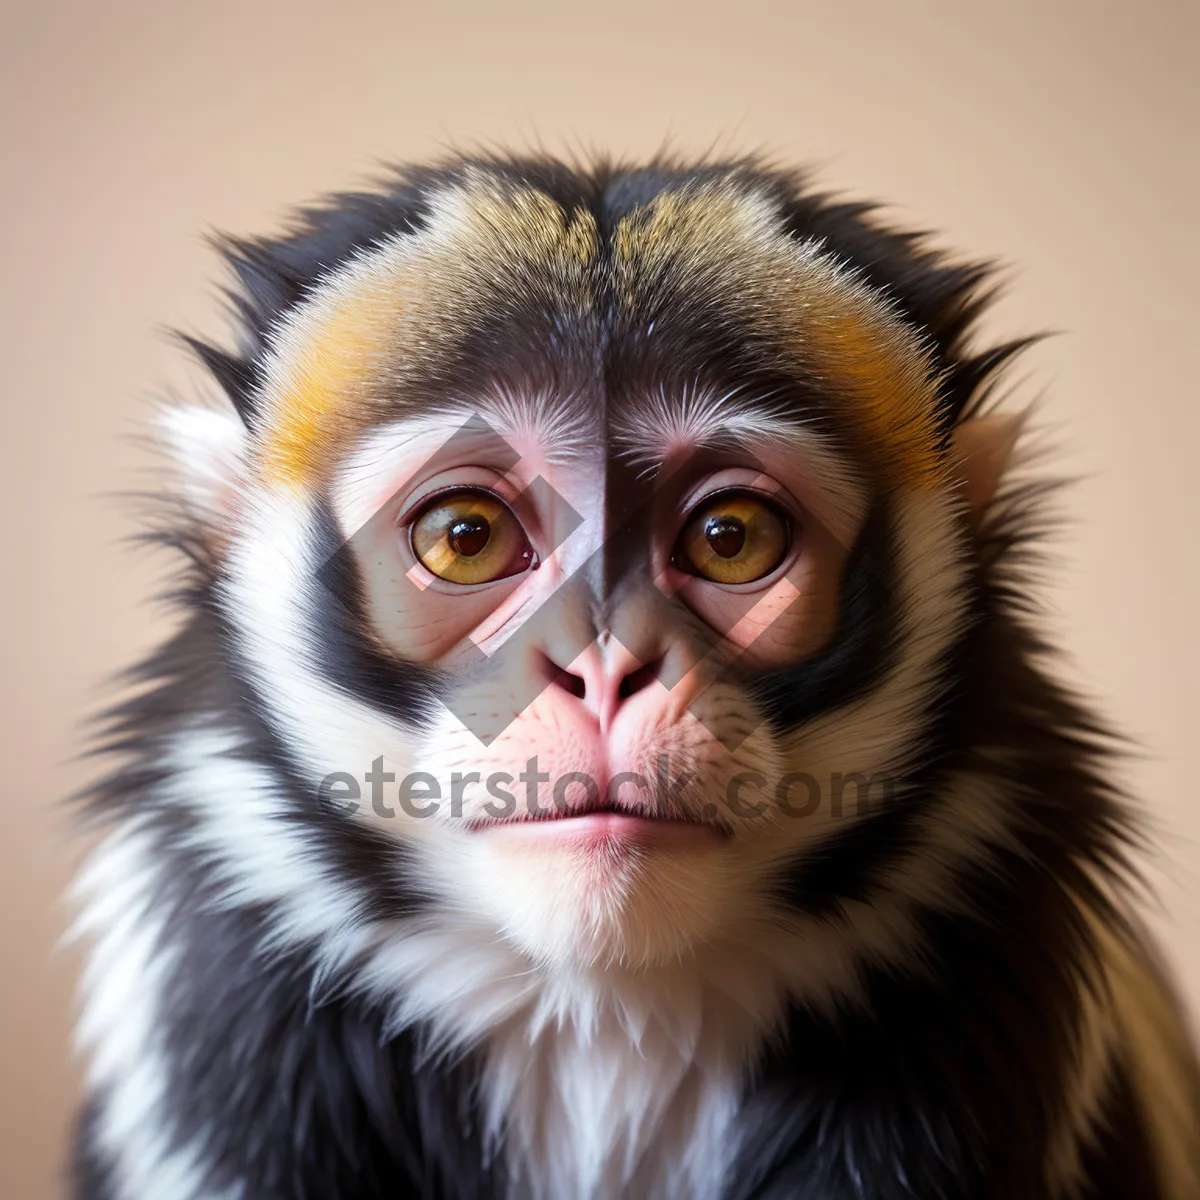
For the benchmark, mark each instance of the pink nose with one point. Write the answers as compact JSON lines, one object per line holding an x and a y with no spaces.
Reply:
{"x":602,"y":679}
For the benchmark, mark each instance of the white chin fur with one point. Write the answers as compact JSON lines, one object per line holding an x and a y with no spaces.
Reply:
{"x":564,"y":905}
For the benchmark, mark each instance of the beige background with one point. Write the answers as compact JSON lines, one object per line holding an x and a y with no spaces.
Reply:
{"x":1058,"y":136}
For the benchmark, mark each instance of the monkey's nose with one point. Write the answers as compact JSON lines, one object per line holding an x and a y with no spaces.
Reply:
{"x":601,"y":680}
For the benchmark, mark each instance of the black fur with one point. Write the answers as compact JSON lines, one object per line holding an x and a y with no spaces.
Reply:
{"x":300,"y":1097}
{"x":348,"y":656}
{"x":89,"y":1177}
{"x":863,"y":646}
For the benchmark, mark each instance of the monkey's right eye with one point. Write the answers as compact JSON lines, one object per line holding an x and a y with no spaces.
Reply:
{"x":470,"y":536}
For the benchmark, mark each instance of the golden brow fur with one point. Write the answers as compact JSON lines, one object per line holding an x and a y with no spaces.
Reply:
{"x":488,"y":245}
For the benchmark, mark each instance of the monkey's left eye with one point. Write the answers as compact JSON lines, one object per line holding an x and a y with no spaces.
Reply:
{"x":470,"y":536}
{"x":733,"y":537}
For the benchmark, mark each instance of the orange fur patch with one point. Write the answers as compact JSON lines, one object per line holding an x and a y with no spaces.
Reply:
{"x":828,"y":323}
{"x":373,"y":321}
{"x":351,"y":346}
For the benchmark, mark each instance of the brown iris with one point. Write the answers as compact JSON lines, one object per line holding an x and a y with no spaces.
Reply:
{"x":470,"y":536}
{"x":733,"y":537}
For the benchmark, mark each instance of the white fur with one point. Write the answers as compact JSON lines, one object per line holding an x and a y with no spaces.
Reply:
{"x":271,"y":570}
{"x":207,"y":448}
{"x":385,"y":458}
{"x":599,"y":1084}
{"x":259,"y":856}
{"x":1161,"y":1057}
{"x":1090,"y":1072}
{"x":118,"y":897}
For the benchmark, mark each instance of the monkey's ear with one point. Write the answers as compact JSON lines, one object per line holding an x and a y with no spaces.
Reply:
{"x":983,"y":447}
{"x":207,"y":450}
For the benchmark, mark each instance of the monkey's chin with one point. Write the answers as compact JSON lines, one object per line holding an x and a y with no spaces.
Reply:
{"x":595,"y":892}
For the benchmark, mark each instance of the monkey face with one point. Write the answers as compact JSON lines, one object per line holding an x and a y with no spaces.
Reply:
{"x":588,"y":626}
{"x":578,"y":556}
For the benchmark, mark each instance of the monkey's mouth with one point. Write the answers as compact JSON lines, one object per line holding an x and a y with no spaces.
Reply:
{"x":604,"y":826}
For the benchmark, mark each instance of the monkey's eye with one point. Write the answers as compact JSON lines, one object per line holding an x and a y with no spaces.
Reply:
{"x":733,"y":537}
{"x":470,"y":536}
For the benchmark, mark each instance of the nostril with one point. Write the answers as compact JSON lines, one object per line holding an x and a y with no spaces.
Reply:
{"x":571,"y":683}
{"x":594,"y":690}
{"x":556,"y":676}
{"x":635,"y":681}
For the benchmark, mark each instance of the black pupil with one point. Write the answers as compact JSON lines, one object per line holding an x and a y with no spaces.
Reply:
{"x":726,"y":535}
{"x":469,"y":535}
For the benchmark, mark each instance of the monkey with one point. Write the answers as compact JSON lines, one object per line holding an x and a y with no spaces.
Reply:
{"x":608,"y":749}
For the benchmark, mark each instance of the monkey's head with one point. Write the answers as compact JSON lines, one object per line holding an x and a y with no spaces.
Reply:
{"x":594,"y":551}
